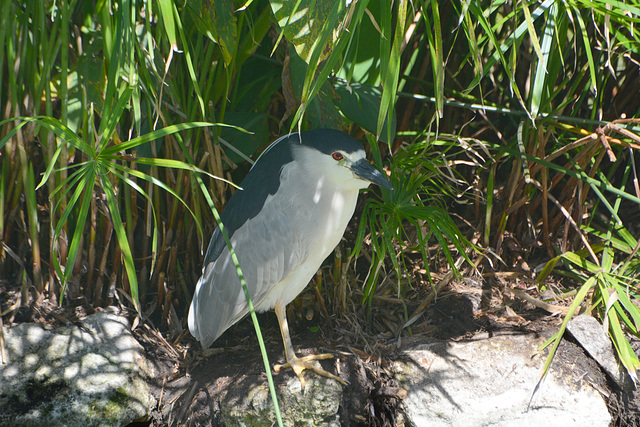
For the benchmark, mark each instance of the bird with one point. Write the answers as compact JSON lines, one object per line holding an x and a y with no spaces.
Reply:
{"x":289,"y":214}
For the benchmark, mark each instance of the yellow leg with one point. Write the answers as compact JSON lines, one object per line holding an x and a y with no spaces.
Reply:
{"x":299,"y":364}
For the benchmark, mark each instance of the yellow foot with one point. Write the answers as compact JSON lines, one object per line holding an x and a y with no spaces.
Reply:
{"x":299,"y":364}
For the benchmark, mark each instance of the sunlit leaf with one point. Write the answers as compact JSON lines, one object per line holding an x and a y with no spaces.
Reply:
{"x":302,"y":22}
{"x":217,"y":19}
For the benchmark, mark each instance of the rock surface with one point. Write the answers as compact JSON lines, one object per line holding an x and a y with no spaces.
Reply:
{"x":490,"y":381}
{"x":87,"y":375}
{"x":593,"y":338}
{"x":318,"y":406}
{"x":485,"y":380}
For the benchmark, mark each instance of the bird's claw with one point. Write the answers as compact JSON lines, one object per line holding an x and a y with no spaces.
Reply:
{"x":299,"y":364}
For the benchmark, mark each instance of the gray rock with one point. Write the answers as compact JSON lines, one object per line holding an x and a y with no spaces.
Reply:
{"x":593,"y":338}
{"x":70,"y":376}
{"x":318,"y":405}
{"x":489,"y":381}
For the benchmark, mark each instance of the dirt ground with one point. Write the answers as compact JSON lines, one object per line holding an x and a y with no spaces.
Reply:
{"x":188,"y":383}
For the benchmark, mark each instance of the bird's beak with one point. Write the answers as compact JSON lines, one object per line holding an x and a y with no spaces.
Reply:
{"x":365,"y":171}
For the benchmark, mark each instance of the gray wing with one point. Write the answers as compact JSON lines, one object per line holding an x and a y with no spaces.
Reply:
{"x":268,"y":251}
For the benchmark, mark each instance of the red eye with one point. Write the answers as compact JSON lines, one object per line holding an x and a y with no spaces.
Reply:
{"x":337,"y":155}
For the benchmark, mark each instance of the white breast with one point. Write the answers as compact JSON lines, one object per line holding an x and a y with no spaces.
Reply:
{"x":323,"y":209}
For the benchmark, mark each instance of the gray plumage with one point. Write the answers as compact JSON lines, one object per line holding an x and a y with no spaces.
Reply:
{"x":292,"y":211}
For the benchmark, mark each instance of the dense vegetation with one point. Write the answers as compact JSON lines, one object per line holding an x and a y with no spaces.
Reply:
{"x":510,"y":129}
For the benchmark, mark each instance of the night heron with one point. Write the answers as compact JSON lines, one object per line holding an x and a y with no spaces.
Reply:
{"x":290,"y":214}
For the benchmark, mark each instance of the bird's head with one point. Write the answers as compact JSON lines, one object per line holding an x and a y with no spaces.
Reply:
{"x":336,"y":157}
